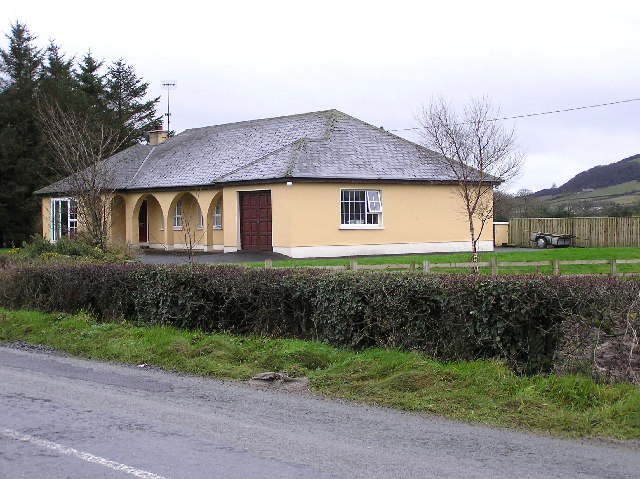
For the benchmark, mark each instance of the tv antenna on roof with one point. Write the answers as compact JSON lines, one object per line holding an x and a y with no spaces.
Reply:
{"x":169,"y":85}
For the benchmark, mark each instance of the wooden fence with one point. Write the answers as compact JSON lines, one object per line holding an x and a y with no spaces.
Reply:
{"x":586,"y":232}
{"x":494,"y":264}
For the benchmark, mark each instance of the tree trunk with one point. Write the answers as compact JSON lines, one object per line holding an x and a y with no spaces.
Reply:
{"x":474,"y":241}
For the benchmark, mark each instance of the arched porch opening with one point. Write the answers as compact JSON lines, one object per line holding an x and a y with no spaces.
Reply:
{"x":148,"y":222}
{"x":187,"y":222}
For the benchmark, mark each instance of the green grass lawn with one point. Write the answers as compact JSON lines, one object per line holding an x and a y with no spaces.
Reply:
{"x":480,"y":391}
{"x":562,"y":254}
{"x":4,"y":250}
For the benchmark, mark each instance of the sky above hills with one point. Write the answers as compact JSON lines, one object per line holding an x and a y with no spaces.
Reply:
{"x":380,"y":62}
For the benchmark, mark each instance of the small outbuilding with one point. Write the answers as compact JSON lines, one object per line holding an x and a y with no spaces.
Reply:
{"x":317,"y":184}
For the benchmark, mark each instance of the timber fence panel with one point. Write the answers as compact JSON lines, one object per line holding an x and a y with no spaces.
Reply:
{"x":587,"y":232}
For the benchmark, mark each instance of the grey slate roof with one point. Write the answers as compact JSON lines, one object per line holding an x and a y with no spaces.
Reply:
{"x":321,"y":145}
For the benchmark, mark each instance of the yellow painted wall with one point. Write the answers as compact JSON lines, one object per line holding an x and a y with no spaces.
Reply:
{"x":500,"y":233}
{"x":308,"y":214}
{"x":156,"y":221}
{"x":410,"y":214}
{"x":117,"y":232}
{"x":304,"y":214}
{"x":46,"y":217}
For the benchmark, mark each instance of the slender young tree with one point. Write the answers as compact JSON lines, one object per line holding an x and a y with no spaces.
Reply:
{"x":477,"y":150}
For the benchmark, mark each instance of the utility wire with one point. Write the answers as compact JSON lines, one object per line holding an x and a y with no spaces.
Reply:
{"x":543,"y":113}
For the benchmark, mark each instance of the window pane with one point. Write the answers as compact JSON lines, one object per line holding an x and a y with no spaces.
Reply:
{"x":373,"y":201}
{"x":55,"y":230}
{"x":73,"y":217}
{"x":217,"y":215}
{"x":177,"y":215}
{"x":64,"y":218}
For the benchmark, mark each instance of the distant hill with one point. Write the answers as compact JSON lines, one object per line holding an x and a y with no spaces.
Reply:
{"x":605,"y":176}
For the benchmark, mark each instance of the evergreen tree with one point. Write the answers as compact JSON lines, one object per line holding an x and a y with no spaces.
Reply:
{"x":58,"y":77}
{"x":92,"y":85}
{"x":20,"y":140}
{"x":130,"y":113}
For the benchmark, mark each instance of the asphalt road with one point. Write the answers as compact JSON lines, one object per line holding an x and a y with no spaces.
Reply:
{"x":66,"y":418}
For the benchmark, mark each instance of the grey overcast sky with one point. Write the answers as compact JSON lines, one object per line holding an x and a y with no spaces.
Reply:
{"x":378,"y":61}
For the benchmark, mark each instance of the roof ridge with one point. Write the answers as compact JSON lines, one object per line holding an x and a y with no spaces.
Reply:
{"x":258,"y":160}
{"x":296,"y":156}
{"x":140,"y":167}
{"x":257,"y":120}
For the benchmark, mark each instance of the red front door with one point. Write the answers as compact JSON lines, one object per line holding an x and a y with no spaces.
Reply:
{"x":143,"y":228}
{"x":255,"y":220}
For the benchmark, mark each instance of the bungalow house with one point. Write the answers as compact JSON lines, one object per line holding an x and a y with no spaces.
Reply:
{"x":315,"y":184}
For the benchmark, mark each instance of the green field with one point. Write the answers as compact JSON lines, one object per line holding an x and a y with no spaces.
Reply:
{"x":480,"y":391}
{"x":562,"y":254}
{"x":614,"y":192}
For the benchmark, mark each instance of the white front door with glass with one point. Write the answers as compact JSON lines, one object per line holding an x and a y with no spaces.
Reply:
{"x":64,"y":218}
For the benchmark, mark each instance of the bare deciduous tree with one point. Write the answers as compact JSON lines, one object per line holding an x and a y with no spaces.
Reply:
{"x":191,"y":234}
{"x":477,"y":151}
{"x":81,"y":146}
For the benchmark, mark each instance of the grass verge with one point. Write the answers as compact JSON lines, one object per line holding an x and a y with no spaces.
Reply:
{"x":484,"y":391}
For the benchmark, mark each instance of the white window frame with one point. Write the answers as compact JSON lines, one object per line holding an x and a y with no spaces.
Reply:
{"x":370,"y":207}
{"x":177,"y":215}
{"x":56,"y":219}
{"x":217,"y":215}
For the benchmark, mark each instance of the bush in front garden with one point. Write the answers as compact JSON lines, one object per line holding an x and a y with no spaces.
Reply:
{"x":449,"y":317}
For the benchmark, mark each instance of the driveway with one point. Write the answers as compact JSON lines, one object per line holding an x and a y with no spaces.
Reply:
{"x":180,"y":257}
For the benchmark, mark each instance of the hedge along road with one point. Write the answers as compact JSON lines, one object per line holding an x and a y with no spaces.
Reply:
{"x":65,"y":417}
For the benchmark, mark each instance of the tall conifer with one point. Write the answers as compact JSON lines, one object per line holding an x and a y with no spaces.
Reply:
{"x":20,"y":140}
{"x":130,"y":112}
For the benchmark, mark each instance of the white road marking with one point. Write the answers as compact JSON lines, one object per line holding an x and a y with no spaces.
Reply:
{"x":85,"y":456}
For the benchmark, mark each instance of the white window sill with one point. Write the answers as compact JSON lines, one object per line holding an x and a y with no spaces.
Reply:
{"x":199,"y":228}
{"x":177,"y":228}
{"x":217,"y":227}
{"x":361,"y":227}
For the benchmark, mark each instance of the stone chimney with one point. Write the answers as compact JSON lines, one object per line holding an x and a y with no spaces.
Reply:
{"x":156,"y":137}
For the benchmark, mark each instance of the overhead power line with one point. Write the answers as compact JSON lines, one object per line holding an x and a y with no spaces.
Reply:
{"x":545,"y":112}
